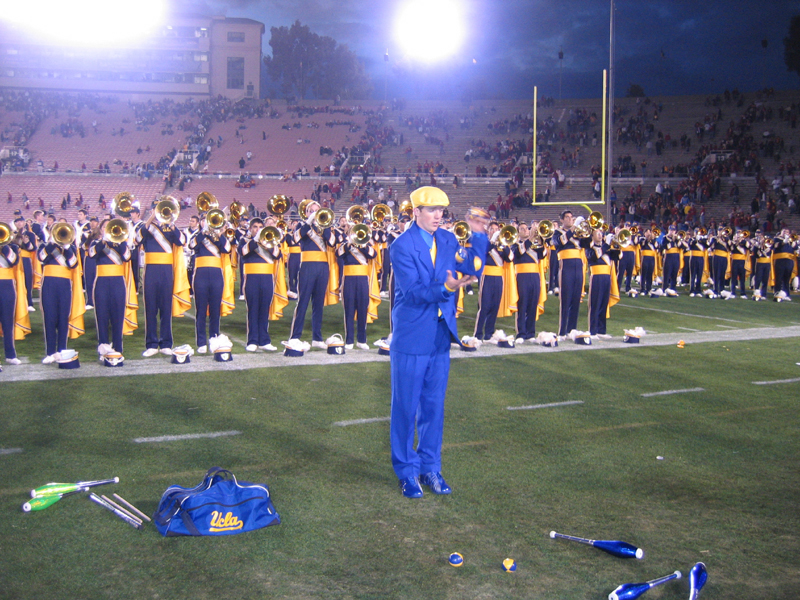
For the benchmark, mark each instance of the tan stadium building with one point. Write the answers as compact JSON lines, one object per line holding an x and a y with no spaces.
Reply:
{"x":189,"y":56}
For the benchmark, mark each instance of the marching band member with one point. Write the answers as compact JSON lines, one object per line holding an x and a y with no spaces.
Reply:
{"x":242,"y":231}
{"x":425,"y":259}
{"x":740,"y":258}
{"x":493,"y":286}
{"x":61,"y":297}
{"x":721,"y":261}
{"x":528,"y":261}
{"x":603,"y":286}
{"x":314,"y":276}
{"x":627,"y":265}
{"x":38,"y":226}
{"x":293,"y":262}
{"x":14,"y":319}
{"x":166,"y":285}
{"x":672,"y":248}
{"x":135,"y":246}
{"x":26,"y":241}
{"x":89,"y":264}
{"x":783,"y":264}
{"x":359,"y":288}
{"x":188,"y":234}
{"x":763,"y":253}
{"x":113,"y":286}
{"x":208,"y":283}
{"x":650,"y":254}
{"x":570,"y":279}
{"x":698,"y":262}
{"x":262,"y":268}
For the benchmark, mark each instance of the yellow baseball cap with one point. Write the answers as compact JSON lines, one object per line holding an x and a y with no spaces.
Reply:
{"x":429,"y":196}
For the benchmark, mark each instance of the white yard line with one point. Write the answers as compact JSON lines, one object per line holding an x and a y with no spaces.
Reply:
{"x":361,"y":421}
{"x":727,"y":327}
{"x":674,"y":312}
{"x":188,"y":436}
{"x":795,"y":380}
{"x":685,"y":329}
{"x":552,"y":404}
{"x":670,"y":392}
{"x":4,"y":451}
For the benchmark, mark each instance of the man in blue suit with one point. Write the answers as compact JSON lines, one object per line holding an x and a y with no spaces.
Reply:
{"x":424,"y":263}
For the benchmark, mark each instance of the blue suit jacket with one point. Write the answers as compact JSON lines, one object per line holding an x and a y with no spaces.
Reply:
{"x":419,"y":288}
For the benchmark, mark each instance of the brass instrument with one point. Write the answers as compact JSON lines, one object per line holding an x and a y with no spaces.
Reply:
{"x":682,"y":235}
{"x":634,"y":229}
{"x":407,"y":209}
{"x":301,"y":209}
{"x":727,"y":232}
{"x":605,"y":227}
{"x":583,"y":230}
{"x":703,"y":231}
{"x":206,"y":201}
{"x":462,"y":231}
{"x":269,"y":237}
{"x":359,"y":235}
{"x":546,"y":229}
{"x":323,"y":218}
{"x":237,"y":211}
{"x":355,"y":215}
{"x":623,"y":238}
{"x":167,"y":210}
{"x":508,"y":235}
{"x":378,"y":213}
{"x":282,"y":226}
{"x":768,"y":243}
{"x":230,"y":233}
{"x":122,"y":204}
{"x":278,"y":205}
{"x":596,"y":220}
{"x":656,"y":231}
{"x":63,"y":234}
{"x":5,"y":234}
{"x":115,"y":231}
{"x":215,"y":221}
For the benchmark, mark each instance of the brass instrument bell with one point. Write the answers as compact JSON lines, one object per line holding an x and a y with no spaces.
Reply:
{"x":206,"y":201}
{"x":5,"y":234}
{"x":323,"y":218}
{"x":116,"y":231}
{"x":359,"y":235}
{"x":546,"y":229}
{"x":122,"y":204}
{"x":355,"y":214}
{"x":269,"y":237}
{"x":167,"y":210}
{"x":278,"y":204}
{"x":63,"y":234}
{"x":462,"y":231}
{"x":596,"y":220}
{"x":508,"y":235}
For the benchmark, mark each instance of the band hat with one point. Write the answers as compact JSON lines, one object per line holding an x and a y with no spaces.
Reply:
{"x":429,"y":196}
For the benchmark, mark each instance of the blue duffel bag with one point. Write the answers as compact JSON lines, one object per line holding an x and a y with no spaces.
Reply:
{"x":220,"y":505}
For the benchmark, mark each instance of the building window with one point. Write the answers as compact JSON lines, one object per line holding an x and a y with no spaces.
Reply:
{"x":235,"y":73}
{"x":236,"y":36}
{"x":201,"y":79}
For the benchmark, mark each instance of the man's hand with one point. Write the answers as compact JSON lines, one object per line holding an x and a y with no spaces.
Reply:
{"x":451,"y":283}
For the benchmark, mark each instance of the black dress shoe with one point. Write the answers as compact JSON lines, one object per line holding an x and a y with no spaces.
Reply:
{"x":436,"y":482}
{"x":410,"y":487}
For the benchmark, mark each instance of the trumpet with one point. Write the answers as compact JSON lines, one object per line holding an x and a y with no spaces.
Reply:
{"x":167,"y":210}
{"x":703,"y":232}
{"x":378,"y":213}
{"x":462,"y":231}
{"x":282,"y":226}
{"x":206,"y":201}
{"x":727,"y":232}
{"x":656,"y":231}
{"x":115,"y":231}
{"x":63,"y":234}
{"x":122,"y":204}
{"x":682,"y":235}
{"x":634,"y":229}
{"x":767,"y":243}
{"x":508,"y":235}
{"x":355,"y":215}
{"x":5,"y":234}
{"x":359,"y":235}
{"x":269,"y":237}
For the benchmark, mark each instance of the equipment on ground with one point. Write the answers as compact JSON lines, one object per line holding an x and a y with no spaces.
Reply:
{"x":613,"y":547}
{"x":49,"y":489}
{"x":630,"y":591}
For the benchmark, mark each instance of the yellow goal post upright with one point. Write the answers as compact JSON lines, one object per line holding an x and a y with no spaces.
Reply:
{"x":589,"y":205}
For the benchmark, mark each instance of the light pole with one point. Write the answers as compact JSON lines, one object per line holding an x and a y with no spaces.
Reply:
{"x":560,"y":69}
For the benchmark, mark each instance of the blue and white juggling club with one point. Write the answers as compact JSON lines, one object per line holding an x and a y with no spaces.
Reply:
{"x":630,"y":591}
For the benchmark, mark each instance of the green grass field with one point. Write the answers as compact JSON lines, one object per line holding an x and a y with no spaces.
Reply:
{"x":726,"y":492}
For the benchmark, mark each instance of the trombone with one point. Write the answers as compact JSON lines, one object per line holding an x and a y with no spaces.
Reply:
{"x":269,"y":237}
{"x":462,"y":231}
{"x":115,"y":231}
{"x":63,"y":234}
{"x":360,"y":235}
{"x":622,"y":239}
{"x":508,"y":235}
{"x":378,"y":213}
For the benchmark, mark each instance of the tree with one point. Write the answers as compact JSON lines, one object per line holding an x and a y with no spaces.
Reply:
{"x":304,"y":62}
{"x":636,"y":91}
{"x":791,"y":46}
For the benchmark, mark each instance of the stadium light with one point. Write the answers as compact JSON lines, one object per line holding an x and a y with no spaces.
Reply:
{"x":430,"y":30}
{"x":87,"y":22}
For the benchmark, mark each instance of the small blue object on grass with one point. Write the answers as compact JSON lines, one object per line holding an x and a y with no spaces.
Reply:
{"x":456,"y":559}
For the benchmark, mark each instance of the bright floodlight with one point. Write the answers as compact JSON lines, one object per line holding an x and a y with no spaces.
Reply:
{"x":87,"y":22}
{"x":430,"y":30}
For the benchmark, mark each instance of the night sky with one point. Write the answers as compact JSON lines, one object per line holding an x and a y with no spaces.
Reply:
{"x":669,"y":47}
